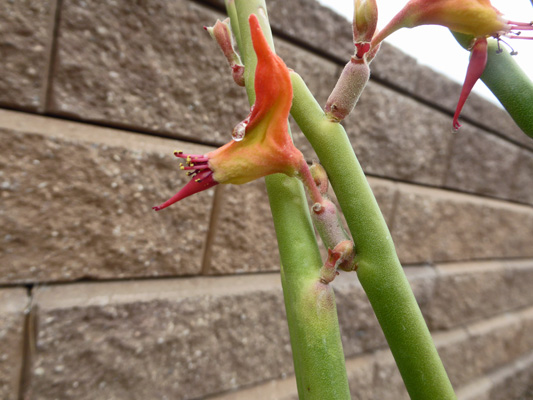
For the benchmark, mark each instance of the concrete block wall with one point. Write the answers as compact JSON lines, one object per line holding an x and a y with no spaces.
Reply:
{"x":101,"y":298}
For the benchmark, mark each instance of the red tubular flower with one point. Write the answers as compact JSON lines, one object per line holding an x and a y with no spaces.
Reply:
{"x":472,"y":17}
{"x":266,"y":147}
{"x":478,"y":61}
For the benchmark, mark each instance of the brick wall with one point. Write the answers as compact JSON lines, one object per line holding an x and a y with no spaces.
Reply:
{"x":101,"y":298}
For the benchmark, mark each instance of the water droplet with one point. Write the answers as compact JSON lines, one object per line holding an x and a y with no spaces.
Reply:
{"x":239,"y":131}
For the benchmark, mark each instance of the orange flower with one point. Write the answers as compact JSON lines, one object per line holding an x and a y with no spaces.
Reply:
{"x":477,"y":18}
{"x":266,"y":147}
{"x":471,"y":17}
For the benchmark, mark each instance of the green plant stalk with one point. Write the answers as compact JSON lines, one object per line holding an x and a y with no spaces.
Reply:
{"x":311,"y":312}
{"x":508,"y":82}
{"x":379,"y":269}
{"x":232,"y":14}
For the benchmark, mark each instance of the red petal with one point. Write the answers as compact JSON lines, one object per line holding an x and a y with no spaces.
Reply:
{"x":261,"y":46}
{"x":477,"y":64}
{"x":206,"y":181}
{"x":272,"y":81}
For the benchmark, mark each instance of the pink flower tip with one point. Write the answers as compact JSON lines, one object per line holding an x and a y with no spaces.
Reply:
{"x":202,"y":179}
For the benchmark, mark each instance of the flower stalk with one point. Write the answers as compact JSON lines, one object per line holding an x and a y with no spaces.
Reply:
{"x":309,"y":300}
{"x":327,"y":221}
{"x":379,"y":269}
{"x":310,"y":304}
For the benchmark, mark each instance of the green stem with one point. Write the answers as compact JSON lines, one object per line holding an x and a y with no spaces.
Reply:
{"x":232,"y":14}
{"x":311,"y":312}
{"x":379,"y":270}
{"x":504,"y":77}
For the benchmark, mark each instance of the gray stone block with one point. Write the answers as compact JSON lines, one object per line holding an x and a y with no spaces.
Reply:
{"x":433,"y":225}
{"x":469,"y":292}
{"x":360,"y":331}
{"x":397,"y":137}
{"x":360,"y":372}
{"x":13,"y":303}
{"x":388,"y":383}
{"x":244,"y":239}
{"x":455,"y":351}
{"x":483,"y":289}
{"x":385,"y":193}
{"x":436,"y":89}
{"x":25,"y":40}
{"x":477,"y":390}
{"x":495,"y":343}
{"x":145,"y":65}
{"x":175,"y":339}
{"x":76,"y":203}
{"x":482,"y":163}
{"x":522,"y":188}
{"x":513,"y":381}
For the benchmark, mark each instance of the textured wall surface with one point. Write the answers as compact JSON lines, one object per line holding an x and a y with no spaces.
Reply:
{"x":102,"y":298}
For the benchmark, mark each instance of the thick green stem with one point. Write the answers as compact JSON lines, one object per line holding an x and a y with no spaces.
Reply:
{"x":379,"y":270}
{"x":311,"y":312}
{"x":508,"y":82}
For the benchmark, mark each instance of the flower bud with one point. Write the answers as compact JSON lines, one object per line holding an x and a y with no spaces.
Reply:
{"x":221,"y":33}
{"x":320,"y":177}
{"x":365,"y":20}
{"x":346,"y":262}
{"x":348,"y":89}
{"x":237,"y":71}
{"x":328,"y":223}
{"x":328,"y":272}
{"x":341,"y":257}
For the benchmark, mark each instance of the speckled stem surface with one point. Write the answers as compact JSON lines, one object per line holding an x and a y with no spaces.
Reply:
{"x":311,"y":312}
{"x":379,"y":271}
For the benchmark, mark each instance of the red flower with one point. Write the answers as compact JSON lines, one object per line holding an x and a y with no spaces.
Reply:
{"x":266,"y":147}
{"x":472,"y":17}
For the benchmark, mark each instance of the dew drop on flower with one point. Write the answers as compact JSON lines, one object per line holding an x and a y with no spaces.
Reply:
{"x":239,"y":131}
